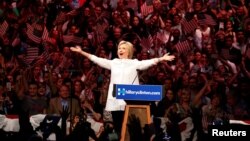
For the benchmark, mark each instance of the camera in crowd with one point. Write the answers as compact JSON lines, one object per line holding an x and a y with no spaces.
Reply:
{"x":62,"y":6}
{"x":59,"y":6}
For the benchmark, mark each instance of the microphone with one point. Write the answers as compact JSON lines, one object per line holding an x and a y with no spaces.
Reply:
{"x":137,"y":70}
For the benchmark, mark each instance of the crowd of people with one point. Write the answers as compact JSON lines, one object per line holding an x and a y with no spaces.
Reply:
{"x":207,"y":83}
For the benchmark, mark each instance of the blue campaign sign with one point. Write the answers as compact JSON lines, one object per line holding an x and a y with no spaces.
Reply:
{"x":138,"y":92}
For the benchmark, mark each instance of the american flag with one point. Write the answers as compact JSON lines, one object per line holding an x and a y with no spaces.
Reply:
{"x":3,"y":27}
{"x":61,"y":18}
{"x":100,"y":35}
{"x":16,"y":41}
{"x":45,"y":54}
{"x":162,"y":36}
{"x":182,"y":47}
{"x":31,"y":54}
{"x":43,"y":57}
{"x":45,"y":35}
{"x":146,"y":9}
{"x":147,"y":42}
{"x":206,"y":19}
{"x":72,"y":39}
{"x":33,"y":33}
{"x":189,"y":25}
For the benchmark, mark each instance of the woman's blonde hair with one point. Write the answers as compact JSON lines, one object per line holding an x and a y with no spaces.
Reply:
{"x":129,"y":46}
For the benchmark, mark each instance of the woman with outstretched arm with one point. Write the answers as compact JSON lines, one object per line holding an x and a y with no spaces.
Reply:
{"x":123,"y":71}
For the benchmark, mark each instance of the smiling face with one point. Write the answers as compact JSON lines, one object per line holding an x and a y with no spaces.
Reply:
{"x":125,"y":50}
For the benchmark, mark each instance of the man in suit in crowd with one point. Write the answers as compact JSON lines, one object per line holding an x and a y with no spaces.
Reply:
{"x":64,"y":100}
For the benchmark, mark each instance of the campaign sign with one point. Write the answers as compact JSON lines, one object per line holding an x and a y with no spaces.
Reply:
{"x":138,"y":92}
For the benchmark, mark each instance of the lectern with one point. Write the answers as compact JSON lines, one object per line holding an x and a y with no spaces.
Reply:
{"x":135,"y":96}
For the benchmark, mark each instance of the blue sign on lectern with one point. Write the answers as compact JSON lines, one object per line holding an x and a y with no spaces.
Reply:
{"x":138,"y":92}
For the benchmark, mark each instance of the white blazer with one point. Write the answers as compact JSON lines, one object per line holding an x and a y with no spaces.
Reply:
{"x":123,"y":71}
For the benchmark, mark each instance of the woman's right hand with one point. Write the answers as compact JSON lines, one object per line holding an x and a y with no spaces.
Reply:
{"x":79,"y":50}
{"x":76,"y":49}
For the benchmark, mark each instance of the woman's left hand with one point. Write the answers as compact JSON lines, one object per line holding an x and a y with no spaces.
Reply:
{"x":167,"y":57}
